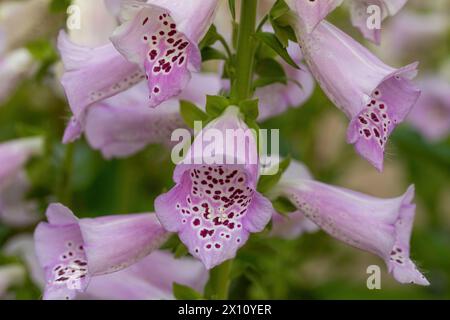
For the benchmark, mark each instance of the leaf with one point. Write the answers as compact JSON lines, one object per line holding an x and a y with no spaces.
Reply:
{"x":210,"y":38}
{"x":283,"y":206}
{"x":266,"y":183}
{"x":191,"y":113}
{"x":210,"y":53}
{"x":59,"y":5}
{"x":181,"y":251}
{"x":269,"y":68}
{"x":215,"y":105}
{"x":272,"y":41}
{"x":232,"y":6}
{"x":182,"y":292}
{"x":279,"y":9}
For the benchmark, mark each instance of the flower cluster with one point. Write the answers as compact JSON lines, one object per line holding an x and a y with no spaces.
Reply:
{"x":142,"y":75}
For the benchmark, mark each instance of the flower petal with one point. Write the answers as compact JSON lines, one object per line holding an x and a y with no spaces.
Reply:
{"x":116,"y":242}
{"x":214,"y":206}
{"x":370,"y":85}
{"x":94,"y":74}
{"x":312,"y":12}
{"x":380,"y":226}
{"x":151,"y":39}
{"x":151,"y":278}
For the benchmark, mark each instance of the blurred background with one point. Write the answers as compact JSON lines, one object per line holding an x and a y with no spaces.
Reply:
{"x":313,"y":266}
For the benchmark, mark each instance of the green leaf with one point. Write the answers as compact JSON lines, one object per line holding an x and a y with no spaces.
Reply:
{"x":210,"y":38}
{"x":182,"y":292}
{"x":250,"y":109}
{"x":59,"y":5}
{"x":283,"y":206}
{"x":266,"y":183}
{"x":181,"y":251}
{"x":215,"y":105}
{"x":232,"y":6}
{"x":278,"y":17}
{"x":210,"y":53}
{"x":272,"y":41}
{"x":269,"y":68}
{"x":190,"y":113}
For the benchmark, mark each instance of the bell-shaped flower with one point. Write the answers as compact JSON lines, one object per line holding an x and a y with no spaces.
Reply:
{"x":15,"y":209}
{"x":152,"y":278}
{"x":124,"y":124}
{"x":373,"y":95}
{"x":431,"y":114}
{"x":14,"y":67}
{"x":295,"y":223}
{"x":72,"y":251}
{"x":214,"y":205}
{"x":366,"y":15}
{"x":161,"y":36}
{"x":92,"y":75}
{"x":276,"y":98}
{"x":379,"y":226}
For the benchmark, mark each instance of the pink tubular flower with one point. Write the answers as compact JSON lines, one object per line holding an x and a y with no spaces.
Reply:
{"x":431,"y":115}
{"x":123,"y":124}
{"x":295,"y":224}
{"x":161,"y":36}
{"x":312,"y":12}
{"x":380,"y":226}
{"x":214,"y":204}
{"x":15,"y":210}
{"x":375,"y":96}
{"x":72,"y":251}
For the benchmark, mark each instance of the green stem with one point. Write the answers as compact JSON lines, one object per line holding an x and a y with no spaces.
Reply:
{"x":241,"y":90}
{"x":220,"y":277}
{"x":242,"y":84}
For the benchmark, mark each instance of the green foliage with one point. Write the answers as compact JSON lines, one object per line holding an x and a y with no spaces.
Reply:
{"x":182,"y":292}
{"x":272,"y":41}
{"x":191,"y":113}
{"x":266,"y":183}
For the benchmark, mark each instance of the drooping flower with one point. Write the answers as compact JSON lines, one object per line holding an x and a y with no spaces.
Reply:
{"x":295,"y":223}
{"x":161,"y":36}
{"x":379,"y":226}
{"x":214,"y":205}
{"x":92,"y":75}
{"x":152,"y":278}
{"x":15,"y":209}
{"x":276,"y":98}
{"x":375,"y":96}
{"x":72,"y":251}
{"x":431,"y":114}
{"x":312,"y":12}
{"x":14,"y":67}
{"x":124,"y":124}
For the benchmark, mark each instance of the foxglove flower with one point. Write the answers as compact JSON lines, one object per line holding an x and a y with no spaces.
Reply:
{"x":276,"y":98}
{"x":152,"y":278}
{"x":375,"y":96}
{"x":14,"y":67}
{"x":294,"y":224}
{"x":312,"y":12}
{"x":92,"y":75}
{"x":123,"y":124}
{"x":379,"y":226}
{"x":214,"y":205}
{"x":431,"y":115}
{"x":71,"y":250}
{"x":15,"y":209}
{"x":161,"y":36}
